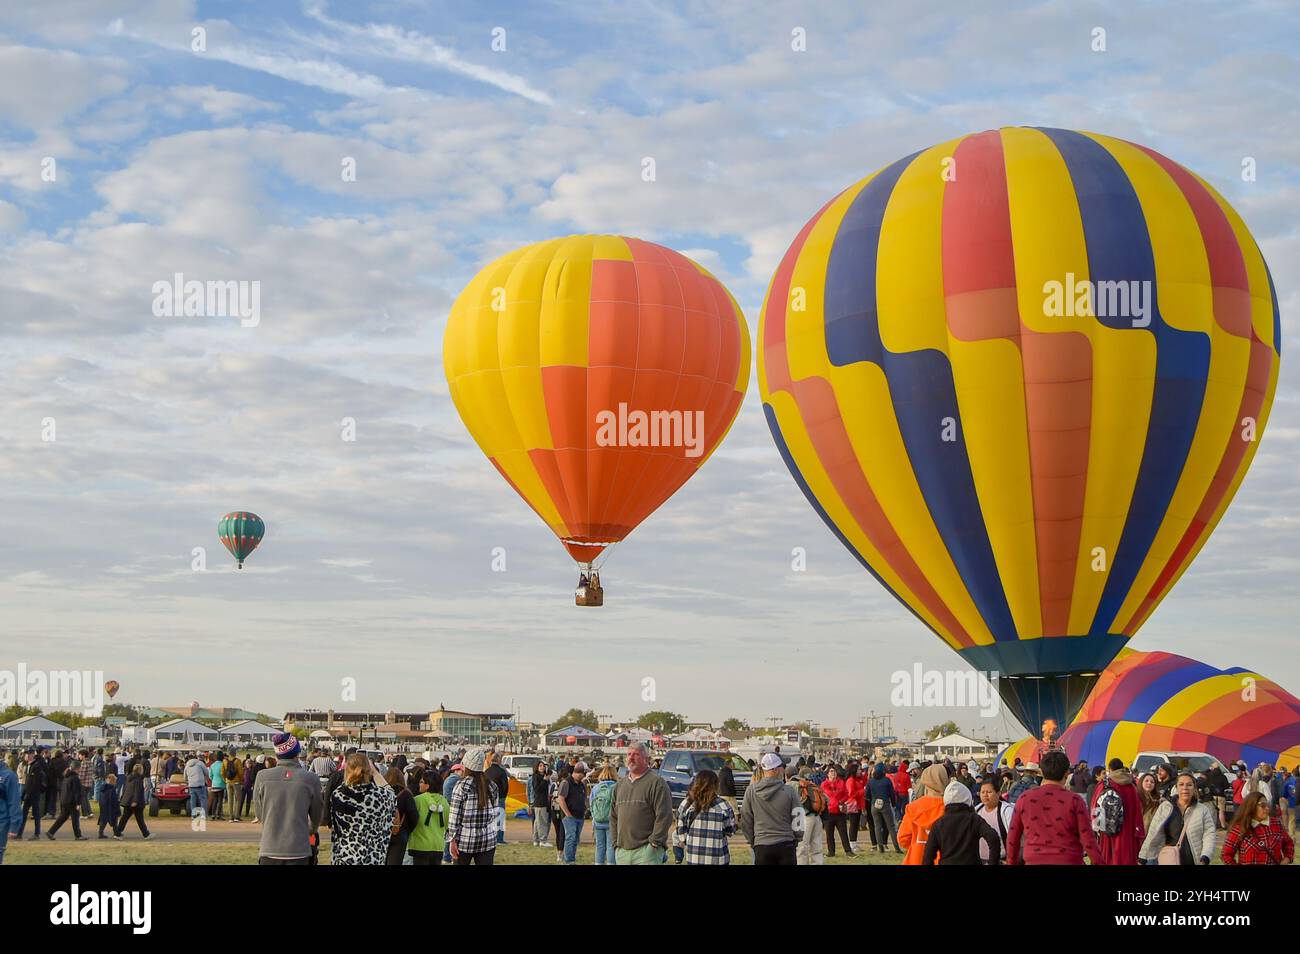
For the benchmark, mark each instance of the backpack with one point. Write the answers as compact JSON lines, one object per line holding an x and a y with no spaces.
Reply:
{"x":811,"y":797}
{"x":1108,"y":813}
{"x":98,"y":767}
{"x":602,"y":800}
{"x":1017,"y":790}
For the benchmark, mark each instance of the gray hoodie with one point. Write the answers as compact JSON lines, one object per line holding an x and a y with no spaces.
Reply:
{"x":766,"y":814}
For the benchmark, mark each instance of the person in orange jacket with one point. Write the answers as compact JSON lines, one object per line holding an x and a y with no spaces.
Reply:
{"x":922,"y":813}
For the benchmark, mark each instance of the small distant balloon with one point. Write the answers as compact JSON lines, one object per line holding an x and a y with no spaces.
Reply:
{"x":111,"y":687}
{"x":241,"y":532}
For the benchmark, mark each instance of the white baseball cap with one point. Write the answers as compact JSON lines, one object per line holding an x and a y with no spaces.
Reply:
{"x":770,"y":761}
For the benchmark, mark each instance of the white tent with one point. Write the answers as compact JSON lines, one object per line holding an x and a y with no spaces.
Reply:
{"x":250,"y":730}
{"x":696,"y":738}
{"x":954,"y":745}
{"x":34,"y":729}
{"x":184,"y":730}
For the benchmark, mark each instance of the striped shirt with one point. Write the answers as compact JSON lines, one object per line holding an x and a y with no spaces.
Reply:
{"x":704,"y":834}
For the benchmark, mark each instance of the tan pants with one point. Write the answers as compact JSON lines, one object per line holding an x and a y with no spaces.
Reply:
{"x":811,"y":850}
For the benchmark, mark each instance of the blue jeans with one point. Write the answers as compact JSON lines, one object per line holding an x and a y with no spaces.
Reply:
{"x":4,"y":840}
{"x":604,"y":850}
{"x":572,"y":832}
{"x":199,"y":800}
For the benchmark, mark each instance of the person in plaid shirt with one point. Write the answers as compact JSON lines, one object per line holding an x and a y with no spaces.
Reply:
{"x":1256,"y":835}
{"x":704,"y":822}
{"x":472,"y":820}
{"x":86,"y":772}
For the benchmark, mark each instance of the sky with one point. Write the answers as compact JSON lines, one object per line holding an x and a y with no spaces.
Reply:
{"x":225,"y":163}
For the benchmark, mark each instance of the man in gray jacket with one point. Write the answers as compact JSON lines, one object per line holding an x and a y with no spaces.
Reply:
{"x":288,"y":800}
{"x":767,"y":815}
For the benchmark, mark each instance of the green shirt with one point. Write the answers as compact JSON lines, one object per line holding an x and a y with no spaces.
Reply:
{"x":431,"y":823}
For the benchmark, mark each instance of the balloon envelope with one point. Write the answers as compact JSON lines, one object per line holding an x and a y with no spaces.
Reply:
{"x":597,"y":373}
{"x":1020,"y":375}
{"x":111,"y":687}
{"x":241,"y":532}
{"x":1160,"y":701}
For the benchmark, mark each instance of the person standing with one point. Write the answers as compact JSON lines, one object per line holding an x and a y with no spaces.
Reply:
{"x":133,"y":802}
{"x":86,"y":774}
{"x":11,"y":807}
{"x":602,"y":801}
{"x":1257,"y":836}
{"x":499,"y":777}
{"x":471,"y":832}
{"x":233,"y":775}
{"x":196,"y":779}
{"x":98,"y":772}
{"x":363,"y":809}
{"x":217,"y":780}
{"x":573,"y":803}
{"x":854,"y":793}
{"x":539,"y":800}
{"x":33,"y":794}
{"x":428,"y":840}
{"x":1182,"y":823}
{"x":812,"y":846}
{"x":882,"y":798}
{"x":995,"y":813}
{"x":1051,"y":824}
{"x":705,"y":821}
{"x":641,"y":814}
{"x":727,"y":782}
{"x":558,"y":778}
{"x":1117,"y":817}
{"x":960,"y":836}
{"x":922,"y":812}
{"x":454,"y":775}
{"x":902,"y":780}
{"x":405,"y":818}
{"x":836,"y":792}
{"x":769,"y":813}
{"x":287,"y":799}
{"x":54,"y":772}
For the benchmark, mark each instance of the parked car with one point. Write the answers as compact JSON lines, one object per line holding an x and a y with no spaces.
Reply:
{"x":1196,"y":762}
{"x":679,"y":766}
{"x":520,"y":766}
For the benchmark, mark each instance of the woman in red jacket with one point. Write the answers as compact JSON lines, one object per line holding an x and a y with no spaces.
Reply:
{"x":1256,"y":836}
{"x":836,"y":795}
{"x":854,"y":801}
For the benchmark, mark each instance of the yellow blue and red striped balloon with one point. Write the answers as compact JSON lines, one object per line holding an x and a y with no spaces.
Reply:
{"x":1027,"y":466}
{"x":549,"y":337}
{"x":1158,"y":701}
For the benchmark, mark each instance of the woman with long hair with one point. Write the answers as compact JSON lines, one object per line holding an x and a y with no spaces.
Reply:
{"x":1147,"y":798}
{"x":404,"y":818}
{"x":602,"y":801}
{"x":1256,"y":836}
{"x":835,"y":820}
{"x":1181,"y":822}
{"x":705,"y":821}
{"x":562,"y":771}
{"x":855,"y":783}
{"x":472,"y":829}
{"x":427,"y":842}
{"x":362,"y":808}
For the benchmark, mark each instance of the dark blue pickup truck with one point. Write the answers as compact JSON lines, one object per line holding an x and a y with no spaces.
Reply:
{"x":679,"y":766}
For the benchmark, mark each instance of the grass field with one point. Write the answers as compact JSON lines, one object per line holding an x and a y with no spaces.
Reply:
{"x":174,"y":843}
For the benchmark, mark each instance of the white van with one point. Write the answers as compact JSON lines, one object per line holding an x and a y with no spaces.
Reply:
{"x":520,"y":766}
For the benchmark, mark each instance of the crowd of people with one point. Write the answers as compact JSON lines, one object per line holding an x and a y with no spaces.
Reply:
{"x":394,"y":810}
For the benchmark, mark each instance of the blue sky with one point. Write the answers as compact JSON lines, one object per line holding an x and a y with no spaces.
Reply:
{"x":225,"y":164}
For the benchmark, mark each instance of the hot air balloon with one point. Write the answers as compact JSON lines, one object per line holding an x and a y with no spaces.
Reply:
{"x":1159,"y":701}
{"x":1020,"y":375}
{"x":111,"y":687}
{"x":597,"y":373}
{"x":241,"y":532}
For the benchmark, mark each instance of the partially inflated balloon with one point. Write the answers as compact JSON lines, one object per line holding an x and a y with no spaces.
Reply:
{"x":1158,"y":702}
{"x":1020,"y":375}
{"x":597,"y":373}
{"x":241,"y":532}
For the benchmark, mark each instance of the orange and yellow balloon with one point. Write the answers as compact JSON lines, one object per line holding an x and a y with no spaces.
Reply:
{"x":597,"y":373}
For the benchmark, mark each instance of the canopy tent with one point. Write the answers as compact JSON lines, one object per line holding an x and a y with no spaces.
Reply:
{"x":955,"y":744}
{"x":575,"y":736}
{"x":698,"y":738}
{"x":34,"y":728}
